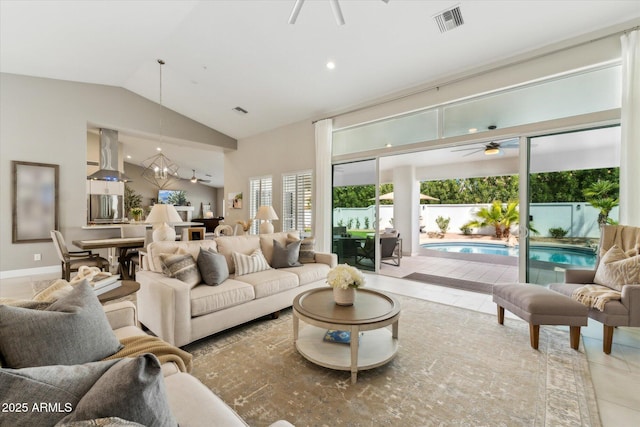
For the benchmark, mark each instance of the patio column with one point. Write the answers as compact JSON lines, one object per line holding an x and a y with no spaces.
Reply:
{"x":406,"y":201}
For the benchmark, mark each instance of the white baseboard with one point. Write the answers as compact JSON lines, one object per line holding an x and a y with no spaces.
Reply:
{"x":9,"y":274}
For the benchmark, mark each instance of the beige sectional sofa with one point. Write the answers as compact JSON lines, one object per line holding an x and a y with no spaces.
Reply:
{"x":180,"y":313}
{"x":190,"y":401}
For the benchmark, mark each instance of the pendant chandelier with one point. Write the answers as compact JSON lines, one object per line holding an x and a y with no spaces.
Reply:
{"x":159,"y":169}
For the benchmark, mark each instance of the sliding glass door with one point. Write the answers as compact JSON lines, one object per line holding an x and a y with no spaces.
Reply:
{"x":354,"y":213}
{"x":573,"y":191}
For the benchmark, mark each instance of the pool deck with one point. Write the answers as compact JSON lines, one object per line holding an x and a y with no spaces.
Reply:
{"x":490,"y":269}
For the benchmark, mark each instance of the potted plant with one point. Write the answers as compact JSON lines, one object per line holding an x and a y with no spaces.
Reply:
{"x":136,"y":213}
{"x":345,"y":279}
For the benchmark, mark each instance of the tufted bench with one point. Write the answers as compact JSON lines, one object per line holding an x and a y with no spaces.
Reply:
{"x":540,"y":306}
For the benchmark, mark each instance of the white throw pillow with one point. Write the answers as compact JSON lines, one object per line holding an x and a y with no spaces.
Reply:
{"x":246,"y":264}
{"x":617,"y":269}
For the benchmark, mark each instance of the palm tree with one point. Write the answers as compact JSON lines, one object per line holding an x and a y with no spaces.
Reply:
{"x":491,"y":216}
{"x":510,"y":216}
{"x":601,"y":195}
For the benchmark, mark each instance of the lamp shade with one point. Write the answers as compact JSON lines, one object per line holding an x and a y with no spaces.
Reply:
{"x":160,"y":216}
{"x":266,"y":214}
{"x":163,"y":213}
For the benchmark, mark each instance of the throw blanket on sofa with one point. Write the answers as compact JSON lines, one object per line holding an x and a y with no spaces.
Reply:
{"x":595,"y":296}
{"x":138,"y":345}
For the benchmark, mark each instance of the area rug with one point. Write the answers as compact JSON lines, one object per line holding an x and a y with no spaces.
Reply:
{"x":450,"y":282}
{"x":454,"y":367}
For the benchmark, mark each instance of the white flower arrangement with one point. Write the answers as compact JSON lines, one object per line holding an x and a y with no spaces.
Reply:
{"x":345,"y":276}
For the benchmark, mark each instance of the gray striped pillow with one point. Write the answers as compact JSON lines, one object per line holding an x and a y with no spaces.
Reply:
{"x":246,"y":264}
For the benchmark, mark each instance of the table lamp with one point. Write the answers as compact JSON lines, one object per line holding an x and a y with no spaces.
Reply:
{"x":266,"y":214}
{"x":160,"y":217}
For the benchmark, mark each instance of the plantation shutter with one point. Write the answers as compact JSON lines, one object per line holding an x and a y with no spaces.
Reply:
{"x":296,"y":202}
{"x":261,"y":192}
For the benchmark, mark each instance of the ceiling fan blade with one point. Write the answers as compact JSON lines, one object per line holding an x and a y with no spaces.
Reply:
{"x":337,"y":12}
{"x":296,"y":11}
{"x":468,"y":148}
{"x":478,"y":150}
{"x":510,"y":143}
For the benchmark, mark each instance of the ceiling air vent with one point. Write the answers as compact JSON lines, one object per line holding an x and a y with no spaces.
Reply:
{"x":240,"y":110}
{"x":449,"y":19}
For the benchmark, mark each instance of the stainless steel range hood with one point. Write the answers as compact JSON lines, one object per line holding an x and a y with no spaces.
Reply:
{"x":109,"y":158}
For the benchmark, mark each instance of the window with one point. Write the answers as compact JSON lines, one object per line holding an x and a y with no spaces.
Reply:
{"x":296,"y":202}
{"x":260,"y":194}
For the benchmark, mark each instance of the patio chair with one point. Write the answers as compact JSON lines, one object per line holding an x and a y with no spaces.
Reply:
{"x":72,"y":260}
{"x":390,"y":250}
{"x":623,"y":312}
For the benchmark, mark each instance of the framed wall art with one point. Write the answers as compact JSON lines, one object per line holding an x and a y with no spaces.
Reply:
{"x":235,"y":200}
{"x":35,"y":201}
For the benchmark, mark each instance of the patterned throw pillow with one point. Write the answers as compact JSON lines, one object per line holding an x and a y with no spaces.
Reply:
{"x":181,"y":266}
{"x":246,"y":264}
{"x":307,"y":250}
{"x":617,"y":269}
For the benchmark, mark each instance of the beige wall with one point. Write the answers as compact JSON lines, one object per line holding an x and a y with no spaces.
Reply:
{"x":287,"y":149}
{"x":45,"y":120}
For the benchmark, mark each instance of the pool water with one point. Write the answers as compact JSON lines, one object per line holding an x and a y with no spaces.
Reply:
{"x":558,"y":255}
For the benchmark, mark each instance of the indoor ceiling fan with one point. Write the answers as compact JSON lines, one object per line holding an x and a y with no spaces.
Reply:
{"x":492,"y":148}
{"x":194,"y":179}
{"x":335,"y":7}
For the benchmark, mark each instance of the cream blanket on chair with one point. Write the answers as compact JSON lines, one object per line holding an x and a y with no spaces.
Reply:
{"x":595,"y":296}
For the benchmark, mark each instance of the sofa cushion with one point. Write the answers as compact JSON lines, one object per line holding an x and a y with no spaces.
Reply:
{"x":266,"y":242}
{"x":72,"y":330}
{"x":617,"y":269}
{"x":213,"y":267}
{"x":227,"y":245}
{"x":207,"y":299}
{"x":182,"y":266}
{"x":188,"y":246}
{"x":132,"y":389}
{"x":286,"y":256}
{"x":270,"y":282}
{"x":310,"y":273}
{"x":247,"y":264}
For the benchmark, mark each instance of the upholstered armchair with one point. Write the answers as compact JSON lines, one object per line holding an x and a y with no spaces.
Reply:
{"x":623,"y":312}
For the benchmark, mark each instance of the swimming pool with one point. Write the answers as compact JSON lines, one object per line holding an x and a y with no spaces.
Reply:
{"x":582,"y":257}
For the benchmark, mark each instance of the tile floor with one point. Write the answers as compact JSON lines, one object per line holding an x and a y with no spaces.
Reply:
{"x":616,"y":377}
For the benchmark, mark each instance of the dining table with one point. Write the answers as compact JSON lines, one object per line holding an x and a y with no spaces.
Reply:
{"x":121,"y":244}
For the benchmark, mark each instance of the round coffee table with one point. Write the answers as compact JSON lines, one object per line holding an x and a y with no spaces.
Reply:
{"x":366,"y":319}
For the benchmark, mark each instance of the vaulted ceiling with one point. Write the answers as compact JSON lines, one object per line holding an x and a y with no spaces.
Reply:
{"x":225,"y":54}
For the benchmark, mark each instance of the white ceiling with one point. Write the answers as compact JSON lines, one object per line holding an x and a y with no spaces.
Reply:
{"x":227,"y":53}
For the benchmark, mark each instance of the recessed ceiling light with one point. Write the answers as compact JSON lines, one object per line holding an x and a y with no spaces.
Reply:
{"x":159,"y":149}
{"x":331,"y":65}
{"x":128,"y":156}
{"x":473,"y":130}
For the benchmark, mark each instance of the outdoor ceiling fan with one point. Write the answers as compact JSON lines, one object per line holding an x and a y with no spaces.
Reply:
{"x":491,"y":149}
{"x":194,"y":179}
{"x":335,"y":7}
